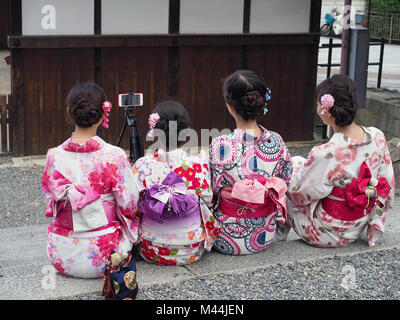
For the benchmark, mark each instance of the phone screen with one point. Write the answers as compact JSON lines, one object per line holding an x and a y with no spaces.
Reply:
{"x":127,"y":100}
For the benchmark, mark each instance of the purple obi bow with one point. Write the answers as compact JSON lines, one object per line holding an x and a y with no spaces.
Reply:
{"x":170,"y":200}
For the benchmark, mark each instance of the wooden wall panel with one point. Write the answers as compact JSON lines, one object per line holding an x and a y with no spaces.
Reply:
{"x":4,"y":23}
{"x":286,"y":69}
{"x":200,"y":78}
{"x":48,"y":75}
{"x":190,"y":72}
{"x":142,"y":70}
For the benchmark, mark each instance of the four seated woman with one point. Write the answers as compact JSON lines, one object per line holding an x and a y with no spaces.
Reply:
{"x":164,"y":204}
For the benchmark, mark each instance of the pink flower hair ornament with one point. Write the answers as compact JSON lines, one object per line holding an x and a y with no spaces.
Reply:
{"x":106,"y":108}
{"x":153,"y":119}
{"x":327,"y":102}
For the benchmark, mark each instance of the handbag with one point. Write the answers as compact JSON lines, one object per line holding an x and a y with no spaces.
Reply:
{"x":120,"y":277}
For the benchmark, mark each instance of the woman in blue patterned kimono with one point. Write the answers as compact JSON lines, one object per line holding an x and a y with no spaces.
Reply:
{"x":250,"y":168}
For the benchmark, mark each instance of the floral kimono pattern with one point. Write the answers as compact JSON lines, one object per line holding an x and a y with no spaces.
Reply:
{"x":182,"y":242}
{"x":237,"y":157}
{"x":332,"y":169}
{"x":92,"y":197}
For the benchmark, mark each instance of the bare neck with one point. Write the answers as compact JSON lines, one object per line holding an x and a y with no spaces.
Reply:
{"x":353,"y":131}
{"x":81,"y":135}
{"x":251,"y":127}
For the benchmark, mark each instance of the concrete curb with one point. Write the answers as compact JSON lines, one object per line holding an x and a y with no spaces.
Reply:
{"x":24,"y":264}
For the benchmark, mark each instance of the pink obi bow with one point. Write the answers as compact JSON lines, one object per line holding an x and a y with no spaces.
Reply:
{"x":78,"y":195}
{"x":260,"y":196}
{"x":355,"y":192}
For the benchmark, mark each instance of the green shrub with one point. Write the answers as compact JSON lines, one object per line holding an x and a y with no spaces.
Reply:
{"x":385,"y":6}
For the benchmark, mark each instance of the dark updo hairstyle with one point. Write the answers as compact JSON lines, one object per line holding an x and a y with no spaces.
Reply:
{"x":172,"y":111}
{"x":245,"y":90}
{"x":85,"y":104}
{"x":343,"y":90}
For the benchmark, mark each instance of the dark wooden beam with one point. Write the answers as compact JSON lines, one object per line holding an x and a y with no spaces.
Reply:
{"x":315,"y":15}
{"x":246,"y":16}
{"x":179,"y":40}
{"x":17,"y":102}
{"x":174,"y":16}
{"x":15,"y":8}
{"x":97,"y":16}
{"x":17,"y":79}
{"x":4,"y":23}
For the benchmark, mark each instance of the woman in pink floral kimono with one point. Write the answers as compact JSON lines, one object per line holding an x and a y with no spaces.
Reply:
{"x":176,"y":225}
{"x":250,"y":170}
{"x":346,"y":185}
{"x":90,"y":191}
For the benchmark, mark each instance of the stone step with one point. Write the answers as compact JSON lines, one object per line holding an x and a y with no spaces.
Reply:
{"x":24,"y":263}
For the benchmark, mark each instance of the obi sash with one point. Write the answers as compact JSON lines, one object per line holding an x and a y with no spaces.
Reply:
{"x":86,"y":204}
{"x":171,"y":203}
{"x":254,"y":198}
{"x":169,"y":200}
{"x":358,"y":198}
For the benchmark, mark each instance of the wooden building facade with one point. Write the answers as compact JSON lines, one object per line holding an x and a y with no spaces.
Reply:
{"x":180,"y":49}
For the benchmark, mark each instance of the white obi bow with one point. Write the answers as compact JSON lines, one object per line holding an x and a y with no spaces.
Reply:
{"x":87,"y":209}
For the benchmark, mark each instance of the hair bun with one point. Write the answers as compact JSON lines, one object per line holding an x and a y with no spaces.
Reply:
{"x":171,"y":113}
{"x":245,"y":90}
{"x":251,"y":105}
{"x":344,"y":91}
{"x":85,"y":103}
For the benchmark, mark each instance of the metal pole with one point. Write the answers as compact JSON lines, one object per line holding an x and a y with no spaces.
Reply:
{"x":328,"y":71}
{"x":369,"y":12}
{"x":344,"y":57}
{"x":391,"y":29}
{"x":381,"y":62}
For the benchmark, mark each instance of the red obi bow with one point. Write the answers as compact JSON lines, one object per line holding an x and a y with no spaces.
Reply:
{"x":355,"y":192}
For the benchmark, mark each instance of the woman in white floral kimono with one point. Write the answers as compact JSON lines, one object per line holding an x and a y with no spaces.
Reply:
{"x":345,"y":185}
{"x":90,"y":191}
{"x":176,"y":224}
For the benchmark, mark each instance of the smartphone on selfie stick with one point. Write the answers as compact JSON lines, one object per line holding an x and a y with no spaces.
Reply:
{"x":129,"y":101}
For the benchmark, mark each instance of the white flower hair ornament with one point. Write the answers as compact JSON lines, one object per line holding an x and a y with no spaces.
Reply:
{"x":153,"y":119}
{"x":327,"y":102}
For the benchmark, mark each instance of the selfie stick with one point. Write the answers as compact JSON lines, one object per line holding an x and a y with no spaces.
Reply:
{"x":136,"y":142}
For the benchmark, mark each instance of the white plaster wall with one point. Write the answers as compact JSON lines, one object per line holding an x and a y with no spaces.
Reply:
{"x":71,"y":17}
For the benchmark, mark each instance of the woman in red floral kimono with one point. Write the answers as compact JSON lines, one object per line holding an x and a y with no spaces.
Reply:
{"x":90,"y":191}
{"x":176,"y":223}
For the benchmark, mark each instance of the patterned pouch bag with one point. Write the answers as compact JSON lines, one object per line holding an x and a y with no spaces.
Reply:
{"x":120,"y":277}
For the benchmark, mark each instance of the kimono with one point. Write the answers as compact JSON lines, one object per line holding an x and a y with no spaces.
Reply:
{"x":330,"y":202}
{"x":246,"y":172}
{"x":92,"y":197}
{"x":182,"y":236}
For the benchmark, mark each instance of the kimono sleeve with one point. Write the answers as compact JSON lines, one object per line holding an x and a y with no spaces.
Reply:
{"x":138,"y":176}
{"x":314,"y":177}
{"x":205,"y":191}
{"x":376,"y":225}
{"x":47,"y":172}
{"x":216,"y":168}
{"x":286,"y":169}
{"x":126,"y":196}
